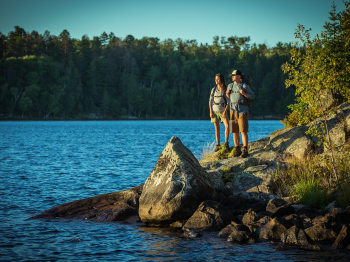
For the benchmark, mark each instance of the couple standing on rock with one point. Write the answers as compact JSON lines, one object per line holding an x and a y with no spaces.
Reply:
{"x":235,"y":97}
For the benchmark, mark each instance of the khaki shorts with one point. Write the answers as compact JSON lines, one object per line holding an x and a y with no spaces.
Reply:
{"x":239,"y":122}
{"x":218,"y":116}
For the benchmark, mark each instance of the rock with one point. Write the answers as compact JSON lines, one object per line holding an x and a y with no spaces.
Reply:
{"x":133,"y":219}
{"x":178,"y":224}
{"x":233,"y":202}
{"x":281,"y":248}
{"x":264,"y":220}
{"x":309,"y":247}
{"x":330,"y":207}
{"x":116,"y":206}
{"x":275,"y":228}
{"x":250,"y":217}
{"x":345,"y":216}
{"x":176,"y":186}
{"x":295,"y":236}
{"x":253,"y":179}
{"x":210,"y":215}
{"x":343,"y":239}
{"x":292,"y":201}
{"x":293,"y":141}
{"x":254,"y":197}
{"x":242,"y":237}
{"x":278,"y":208}
{"x":296,"y":220}
{"x":191,"y":232}
{"x":218,"y":184}
{"x":227,"y":190}
{"x":320,"y":231}
{"x":224,"y":233}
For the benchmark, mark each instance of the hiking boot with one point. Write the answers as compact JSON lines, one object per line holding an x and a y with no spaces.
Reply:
{"x":238,"y":152}
{"x":227,"y":147}
{"x":244,"y":152}
{"x":217,"y":148}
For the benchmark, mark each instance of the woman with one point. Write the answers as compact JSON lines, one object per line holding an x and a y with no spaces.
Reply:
{"x":219,"y":105}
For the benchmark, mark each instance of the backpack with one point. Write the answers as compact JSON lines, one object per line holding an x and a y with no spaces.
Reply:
{"x":246,"y":80}
{"x":212,"y":95}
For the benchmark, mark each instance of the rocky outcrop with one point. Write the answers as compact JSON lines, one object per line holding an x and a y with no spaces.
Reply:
{"x":210,"y":215}
{"x":118,"y":206}
{"x":176,"y":186}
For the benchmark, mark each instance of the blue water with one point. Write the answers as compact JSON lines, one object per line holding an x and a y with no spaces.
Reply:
{"x":44,"y":164}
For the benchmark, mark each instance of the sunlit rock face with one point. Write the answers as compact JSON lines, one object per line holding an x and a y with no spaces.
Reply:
{"x":176,"y":186}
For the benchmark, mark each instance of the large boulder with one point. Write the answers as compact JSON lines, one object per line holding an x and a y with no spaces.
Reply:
{"x":210,"y":215}
{"x":118,"y":206}
{"x":176,"y":186}
{"x":224,"y":233}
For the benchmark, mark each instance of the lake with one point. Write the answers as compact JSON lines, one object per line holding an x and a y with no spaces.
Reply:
{"x":47,"y":163}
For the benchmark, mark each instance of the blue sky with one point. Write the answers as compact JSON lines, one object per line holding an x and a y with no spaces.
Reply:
{"x":266,"y":21}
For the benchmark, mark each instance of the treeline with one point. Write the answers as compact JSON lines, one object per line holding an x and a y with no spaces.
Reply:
{"x":47,"y":76}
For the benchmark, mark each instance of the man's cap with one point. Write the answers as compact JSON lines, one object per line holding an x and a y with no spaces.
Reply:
{"x":236,"y":72}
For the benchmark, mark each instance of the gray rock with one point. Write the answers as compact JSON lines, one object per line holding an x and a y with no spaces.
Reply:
{"x":242,"y":237}
{"x":210,"y":215}
{"x":293,"y":141}
{"x":227,"y":190}
{"x":295,"y":236}
{"x":233,"y":202}
{"x":224,"y":233}
{"x":321,"y":231}
{"x":250,"y":217}
{"x":176,"y":186}
{"x":343,"y":239}
{"x":274,"y":228}
{"x":191,"y":232}
{"x":278,"y":208}
{"x":118,"y":206}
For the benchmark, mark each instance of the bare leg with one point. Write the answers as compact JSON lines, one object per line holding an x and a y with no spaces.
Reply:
{"x":217,"y":133}
{"x":245,"y":138}
{"x":236,"y":139}
{"x":227,"y":131}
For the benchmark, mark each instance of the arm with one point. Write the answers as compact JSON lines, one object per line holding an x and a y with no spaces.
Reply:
{"x":211,"y":100}
{"x":247,"y":92}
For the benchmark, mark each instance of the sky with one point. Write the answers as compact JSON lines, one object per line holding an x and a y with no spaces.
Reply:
{"x":268,"y":21}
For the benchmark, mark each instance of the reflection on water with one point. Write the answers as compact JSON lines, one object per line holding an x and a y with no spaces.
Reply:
{"x":44,"y":164}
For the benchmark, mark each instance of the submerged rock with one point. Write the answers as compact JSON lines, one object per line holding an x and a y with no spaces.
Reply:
{"x":116,"y":206}
{"x":176,"y":186}
{"x":242,"y":237}
{"x":191,"y":232}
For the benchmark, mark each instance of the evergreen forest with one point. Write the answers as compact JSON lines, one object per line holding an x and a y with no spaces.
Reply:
{"x":44,"y":76}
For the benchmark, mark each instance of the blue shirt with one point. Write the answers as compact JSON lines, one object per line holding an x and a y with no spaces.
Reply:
{"x":236,"y":98}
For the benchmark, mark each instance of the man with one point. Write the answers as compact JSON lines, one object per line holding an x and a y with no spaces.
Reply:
{"x":239,"y":92}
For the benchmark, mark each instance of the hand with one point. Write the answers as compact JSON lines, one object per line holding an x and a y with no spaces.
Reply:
{"x":211,"y":115}
{"x":242,"y":92}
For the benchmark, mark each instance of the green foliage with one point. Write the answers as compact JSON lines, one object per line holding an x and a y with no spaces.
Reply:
{"x":318,"y":66}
